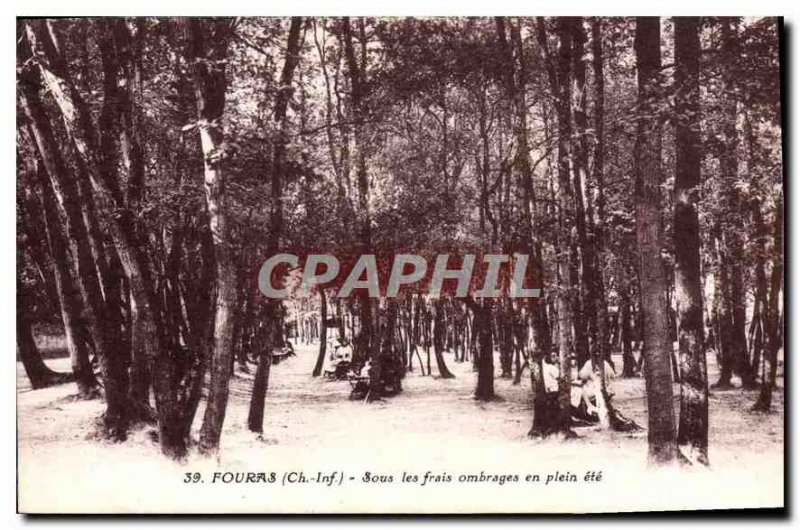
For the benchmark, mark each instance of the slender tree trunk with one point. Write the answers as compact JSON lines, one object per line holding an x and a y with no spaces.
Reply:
{"x":598,"y":175}
{"x":323,"y":341}
{"x":774,"y":326}
{"x":274,"y":312}
{"x":586,"y":333}
{"x":649,"y":237}
{"x":439,"y":330}
{"x":207,"y":50}
{"x":628,"y":361}
{"x":760,"y":303}
{"x":724,"y":313}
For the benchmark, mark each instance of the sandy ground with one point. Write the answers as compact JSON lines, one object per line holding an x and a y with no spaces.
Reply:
{"x":469,"y":449}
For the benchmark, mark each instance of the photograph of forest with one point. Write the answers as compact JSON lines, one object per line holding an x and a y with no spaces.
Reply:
{"x":634,"y":164}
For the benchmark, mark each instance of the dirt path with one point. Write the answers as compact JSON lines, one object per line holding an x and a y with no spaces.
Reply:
{"x":433,"y":426}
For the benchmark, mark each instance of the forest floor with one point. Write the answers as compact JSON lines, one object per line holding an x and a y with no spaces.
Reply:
{"x":433,"y":426}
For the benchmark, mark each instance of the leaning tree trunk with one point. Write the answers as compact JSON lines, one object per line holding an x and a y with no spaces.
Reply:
{"x":68,"y":294}
{"x":649,"y":238}
{"x":39,"y":374}
{"x":66,"y":191}
{"x":38,"y":218}
{"x":97,"y":165}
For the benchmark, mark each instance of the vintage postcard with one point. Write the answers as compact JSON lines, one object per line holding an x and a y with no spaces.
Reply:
{"x":399,"y":265}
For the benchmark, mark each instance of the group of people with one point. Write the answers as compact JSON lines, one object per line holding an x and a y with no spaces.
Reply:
{"x":340,"y":366}
{"x":340,"y":359}
{"x":585,"y":388}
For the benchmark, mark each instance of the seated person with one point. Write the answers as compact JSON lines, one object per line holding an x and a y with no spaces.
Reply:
{"x":364,"y":372}
{"x":583,"y":399}
{"x":345,"y":352}
{"x":587,"y":371}
{"x":340,"y":359}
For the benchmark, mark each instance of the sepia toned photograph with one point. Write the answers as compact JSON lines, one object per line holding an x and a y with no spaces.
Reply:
{"x":400,"y":265}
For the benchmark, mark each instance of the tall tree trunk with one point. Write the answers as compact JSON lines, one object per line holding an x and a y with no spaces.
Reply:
{"x":256,"y":418}
{"x":207,"y":49}
{"x":357,"y":72}
{"x":568,"y":298}
{"x":68,"y":294}
{"x":116,"y":104}
{"x":567,"y":294}
{"x":522,"y":166}
{"x":647,"y":155}
{"x":586,"y":325}
{"x":66,"y":190}
{"x":598,"y":174}
{"x":197,"y":295}
{"x":734,"y":227}
{"x":693,"y":423}
{"x":596,"y":308}
{"x":760,"y":235}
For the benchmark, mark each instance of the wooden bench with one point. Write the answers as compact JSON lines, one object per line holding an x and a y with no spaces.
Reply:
{"x":280,"y":355}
